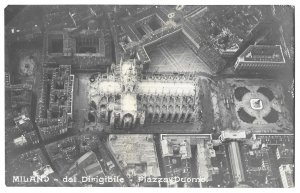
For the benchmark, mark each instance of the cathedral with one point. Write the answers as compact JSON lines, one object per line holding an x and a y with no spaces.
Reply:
{"x":126,"y":98}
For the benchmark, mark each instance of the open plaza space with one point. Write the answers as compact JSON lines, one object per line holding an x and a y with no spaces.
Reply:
{"x":174,"y":55}
{"x":252,"y":105}
{"x":81,"y":104}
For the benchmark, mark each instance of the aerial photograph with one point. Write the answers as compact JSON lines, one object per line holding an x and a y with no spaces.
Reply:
{"x":165,"y":96}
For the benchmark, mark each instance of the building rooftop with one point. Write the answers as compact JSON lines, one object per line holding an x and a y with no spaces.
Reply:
{"x":133,"y":149}
{"x":265,"y":53}
{"x":129,"y":103}
{"x":227,"y":26}
{"x":233,"y":135}
{"x":287,"y":175}
{"x":104,"y":86}
{"x":167,"y":88}
{"x":28,"y":162}
{"x":87,"y":165}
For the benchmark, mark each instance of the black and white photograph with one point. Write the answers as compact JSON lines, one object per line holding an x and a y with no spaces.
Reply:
{"x":149,"y":95}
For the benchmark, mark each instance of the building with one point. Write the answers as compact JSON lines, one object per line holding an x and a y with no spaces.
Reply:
{"x":153,"y":25}
{"x":176,"y":153}
{"x":202,"y":47}
{"x":261,"y":59}
{"x":43,"y":172}
{"x":87,"y":49}
{"x":223,"y":35}
{"x":86,"y":166}
{"x":236,"y":162}
{"x":125,"y":98}
{"x":7,"y":79}
{"x":143,"y":24}
{"x":287,"y":175}
{"x":143,"y":29}
{"x":177,"y":157}
{"x":260,"y":165}
{"x":20,"y":141}
{"x":18,"y":100}
{"x":170,"y":148}
{"x":68,"y":149}
{"x":232,"y":135}
{"x":18,"y":107}
{"x":27,"y":138}
{"x":21,"y":125}
{"x":54,"y":108}
{"x":204,"y":167}
{"x":276,"y":139}
{"x":21,"y":132}
{"x":65,"y":152}
{"x":138,"y":158}
{"x":87,"y":143}
{"x":284,"y":154}
{"x":29,"y":165}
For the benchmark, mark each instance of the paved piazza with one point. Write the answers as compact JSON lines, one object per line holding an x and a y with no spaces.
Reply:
{"x":175,"y":56}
